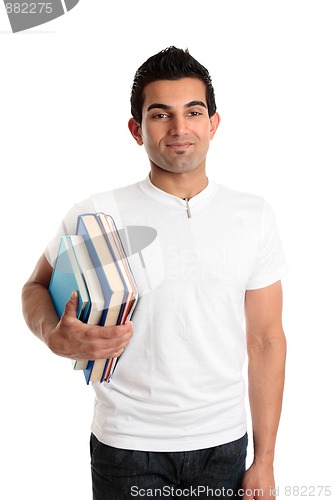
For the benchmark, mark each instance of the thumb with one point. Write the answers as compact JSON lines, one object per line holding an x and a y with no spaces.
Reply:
{"x":71,"y":304}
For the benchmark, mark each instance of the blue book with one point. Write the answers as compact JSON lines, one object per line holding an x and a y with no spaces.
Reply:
{"x":67,"y":277}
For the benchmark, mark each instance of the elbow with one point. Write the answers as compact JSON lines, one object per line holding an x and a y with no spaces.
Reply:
{"x":268,"y":340}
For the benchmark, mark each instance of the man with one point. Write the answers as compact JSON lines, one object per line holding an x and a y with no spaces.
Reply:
{"x":173,"y":414}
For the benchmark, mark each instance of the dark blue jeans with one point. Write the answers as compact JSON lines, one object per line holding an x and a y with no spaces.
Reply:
{"x":119,"y":474}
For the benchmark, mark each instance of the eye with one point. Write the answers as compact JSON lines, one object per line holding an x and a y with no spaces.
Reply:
{"x":159,"y":116}
{"x":195,"y":113}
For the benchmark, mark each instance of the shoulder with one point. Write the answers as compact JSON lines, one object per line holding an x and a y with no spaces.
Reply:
{"x":241,"y":200}
{"x":117,"y":192}
{"x":252,"y":210}
{"x":105,"y":201}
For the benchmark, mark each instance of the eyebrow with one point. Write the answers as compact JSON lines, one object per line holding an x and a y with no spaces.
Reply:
{"x":159,"y":105}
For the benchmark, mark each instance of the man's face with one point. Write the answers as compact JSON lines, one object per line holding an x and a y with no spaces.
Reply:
{"x":175,"y":129}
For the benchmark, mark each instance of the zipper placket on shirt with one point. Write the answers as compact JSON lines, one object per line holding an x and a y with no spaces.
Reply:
{"x":188,"y":210}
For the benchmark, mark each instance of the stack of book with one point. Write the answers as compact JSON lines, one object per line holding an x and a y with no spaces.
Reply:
{"x":93,"y":262}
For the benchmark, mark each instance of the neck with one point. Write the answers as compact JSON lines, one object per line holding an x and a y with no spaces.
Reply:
{"x":183,"y":185}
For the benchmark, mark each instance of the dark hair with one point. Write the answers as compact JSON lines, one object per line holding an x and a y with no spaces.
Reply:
{"x":169,"y":64}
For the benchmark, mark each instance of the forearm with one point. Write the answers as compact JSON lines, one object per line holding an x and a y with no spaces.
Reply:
{"x":38,"y":310}
{"x":266,"y":381}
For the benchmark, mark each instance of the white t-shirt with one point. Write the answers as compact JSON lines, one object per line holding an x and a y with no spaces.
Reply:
{"x":179,"y":385}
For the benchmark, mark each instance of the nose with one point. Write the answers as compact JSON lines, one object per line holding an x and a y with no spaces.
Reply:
{"x":179,"y":126}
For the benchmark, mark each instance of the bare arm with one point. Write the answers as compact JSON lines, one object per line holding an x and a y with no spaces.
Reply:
{"x":68,"y":336}
{"x":266,"y":346}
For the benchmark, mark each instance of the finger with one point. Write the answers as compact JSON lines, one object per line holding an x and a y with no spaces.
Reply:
{"x":113,"y":332}
{"x":71,"y":305}
{"x":108,"y":345}
{"x":106,"y":351}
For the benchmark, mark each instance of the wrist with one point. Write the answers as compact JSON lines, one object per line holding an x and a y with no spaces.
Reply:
{"x":264,"y":459}
{"x":47,"y":330}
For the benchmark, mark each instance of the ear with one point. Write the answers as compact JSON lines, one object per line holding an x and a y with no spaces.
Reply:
{"x":135,"y":130}
{"x":214,"y":123}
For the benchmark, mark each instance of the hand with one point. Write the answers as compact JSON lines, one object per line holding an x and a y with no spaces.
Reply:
{"x":74,"y":339}
{"x":258,"y":482}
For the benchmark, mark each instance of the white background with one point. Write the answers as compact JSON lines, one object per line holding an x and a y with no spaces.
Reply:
{"x":64,"y":93}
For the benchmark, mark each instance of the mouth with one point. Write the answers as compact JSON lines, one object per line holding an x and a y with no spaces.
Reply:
{"x":179,"y":146}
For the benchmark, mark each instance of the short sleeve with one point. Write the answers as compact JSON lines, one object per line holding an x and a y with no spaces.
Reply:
{"x":270,"y":265}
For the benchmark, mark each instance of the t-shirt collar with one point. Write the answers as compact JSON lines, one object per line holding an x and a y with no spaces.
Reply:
{"x":171,"y":200}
